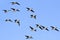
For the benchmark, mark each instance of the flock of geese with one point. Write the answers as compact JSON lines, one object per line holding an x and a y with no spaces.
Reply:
{"x":41,"y":27}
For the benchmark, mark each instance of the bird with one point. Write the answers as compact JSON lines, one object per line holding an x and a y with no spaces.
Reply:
{"x":33,"y":16}
{"x":15,"y":3}
{"x":12,"y":3}
{"x":17,"y":21}
{"x":15,"y":9}
{"x":40,"y":27}
{"x":46,"y":29}
{"x":28,"y":37}
{"x":8,"y":20}
{"x":6,"y":11}
{"x":37,"y":25}
{"x":43,"y":27}
{"x":32,"y":28}
{"x":30,"y":9}
{"x":54,"y":28}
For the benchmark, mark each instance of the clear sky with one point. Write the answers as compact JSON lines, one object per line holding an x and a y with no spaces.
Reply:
{"x":48,"y":14}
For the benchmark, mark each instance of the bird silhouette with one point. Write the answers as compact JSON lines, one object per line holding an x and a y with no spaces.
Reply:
{"x":6,"y":11}
{"x":32,"y":28}
{"x":37,"y":25}
{"x":17,"y":21}
{"x":28,"y":37}
{"x":40,"y":27}
{"x":47,"y":29}
{"x":15,"y":9}
{"x":30,"y":9}
{"x":54,"y":28}
{"x":8,"y":20}
{"x":43,"y":27}
{"x":15,"y":3}
{"x":33,"y":16}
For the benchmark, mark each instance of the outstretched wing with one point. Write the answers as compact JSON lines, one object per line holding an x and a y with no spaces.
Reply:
{"x":17,"y":10}
{"x":10,"y":20}
{"x":13,"y":9}
{"x":26,"y":36}
{"x":18,"y":23}
{"x":17,"y":3}
{"x":5,"y":11}
{"x":37,"y":25}
{"x":56,"y":29}
{"x":28,"y":9}
{"x":41,"y":28}
{"x":47,"y":29}
{"x":12,"y":3}
{"x":32,"y":10}
{"x":35,"y":16}
{"x":31,"y":28}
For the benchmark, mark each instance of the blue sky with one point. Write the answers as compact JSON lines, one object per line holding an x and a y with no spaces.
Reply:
{"x":48,"y":14}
